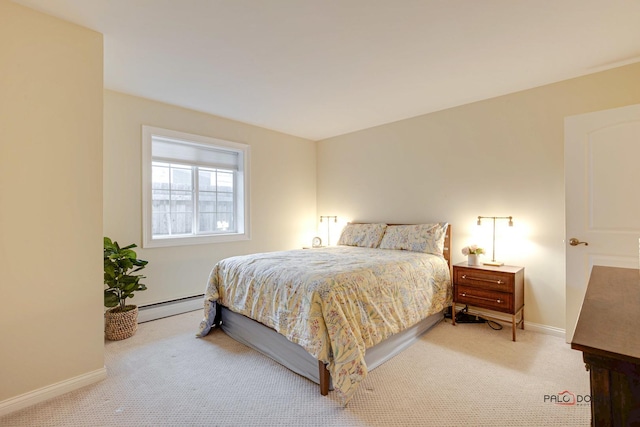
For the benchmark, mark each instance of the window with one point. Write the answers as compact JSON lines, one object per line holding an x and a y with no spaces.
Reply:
{"x":195,"y":189}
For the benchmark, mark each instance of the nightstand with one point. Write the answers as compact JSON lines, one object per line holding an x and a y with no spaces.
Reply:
{"x":494,"y":288}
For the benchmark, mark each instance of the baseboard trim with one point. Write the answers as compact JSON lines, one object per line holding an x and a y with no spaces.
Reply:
{"x":146,"y":313}
{"x":530,"y":326}
{"x":54,"y":390}
{"x":545,"y":329}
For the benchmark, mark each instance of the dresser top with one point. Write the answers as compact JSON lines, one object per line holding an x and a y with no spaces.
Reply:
{"x":502,"y":268}
{"x":609,"y":322}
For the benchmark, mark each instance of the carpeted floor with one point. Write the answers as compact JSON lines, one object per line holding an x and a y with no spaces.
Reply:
{"x":454,"y":376}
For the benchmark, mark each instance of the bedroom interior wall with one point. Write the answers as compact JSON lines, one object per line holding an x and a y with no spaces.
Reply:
{"x":283,"y":192}
{"x":502,"y":156}
{"x":51,"y":322}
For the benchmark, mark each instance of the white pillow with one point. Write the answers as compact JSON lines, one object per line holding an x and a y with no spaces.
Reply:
{"x":428,"y":238}
{"x":363,"y":235}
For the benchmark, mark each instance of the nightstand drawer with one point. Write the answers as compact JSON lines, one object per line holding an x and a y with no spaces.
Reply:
{"x":500,"y":301}
{"x":485,"y":279}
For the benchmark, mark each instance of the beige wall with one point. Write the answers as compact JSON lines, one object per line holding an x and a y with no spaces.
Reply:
{"x":497,"y":157}
{"x":283,"y":186}
{"x":50,"y":201}
{"x":503,"y":156}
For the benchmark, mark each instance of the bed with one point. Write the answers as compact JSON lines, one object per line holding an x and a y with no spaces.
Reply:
{"x":333,"y":314}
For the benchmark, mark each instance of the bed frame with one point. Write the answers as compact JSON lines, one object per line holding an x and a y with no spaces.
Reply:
{"x":294,"y":357}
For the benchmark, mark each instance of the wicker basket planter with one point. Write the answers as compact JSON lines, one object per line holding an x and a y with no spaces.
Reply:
{"x":119,"y":325}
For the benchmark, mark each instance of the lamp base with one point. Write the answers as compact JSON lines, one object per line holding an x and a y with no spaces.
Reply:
{"x":494,"y":263}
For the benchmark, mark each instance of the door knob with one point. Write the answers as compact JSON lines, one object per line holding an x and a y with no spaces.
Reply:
{"x":575,"y":242}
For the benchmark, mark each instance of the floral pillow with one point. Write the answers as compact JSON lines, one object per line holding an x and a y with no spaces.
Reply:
{"x":428,"y":238}
{"x":363,"y":235}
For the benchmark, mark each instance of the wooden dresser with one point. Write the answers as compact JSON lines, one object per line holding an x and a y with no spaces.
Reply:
{"x":490,"y":287}
{"x":608,"y":334}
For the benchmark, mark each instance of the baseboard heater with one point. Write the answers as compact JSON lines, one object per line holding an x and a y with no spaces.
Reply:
{"x":159,"y":310}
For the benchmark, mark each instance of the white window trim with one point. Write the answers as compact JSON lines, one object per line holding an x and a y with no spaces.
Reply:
{"x":243,"y":181}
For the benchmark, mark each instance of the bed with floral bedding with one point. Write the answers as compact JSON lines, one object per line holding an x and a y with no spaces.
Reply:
{"x":337,"y":303}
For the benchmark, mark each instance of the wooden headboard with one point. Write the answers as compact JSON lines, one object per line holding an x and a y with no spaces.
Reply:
{"x":447,"y":246}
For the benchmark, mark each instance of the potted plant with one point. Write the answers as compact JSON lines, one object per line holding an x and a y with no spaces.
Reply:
{"x":121,"y":320}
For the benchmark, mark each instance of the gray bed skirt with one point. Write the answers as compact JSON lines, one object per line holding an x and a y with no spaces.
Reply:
{"x":274,"y":345}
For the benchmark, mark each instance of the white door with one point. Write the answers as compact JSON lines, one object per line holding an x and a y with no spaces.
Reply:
{"x":602,"y":198}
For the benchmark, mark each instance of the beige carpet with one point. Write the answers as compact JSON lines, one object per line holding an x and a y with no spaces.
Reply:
{"x":454,"y":376}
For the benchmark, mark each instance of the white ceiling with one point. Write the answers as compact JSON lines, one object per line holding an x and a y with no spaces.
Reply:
{"x":320,"y":68}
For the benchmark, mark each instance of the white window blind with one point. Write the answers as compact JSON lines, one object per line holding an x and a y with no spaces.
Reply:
{"x":195,"y":189}
{"x":176,"y":151}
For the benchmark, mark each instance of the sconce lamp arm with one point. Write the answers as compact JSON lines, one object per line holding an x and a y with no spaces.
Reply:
{"x":494,"y":218}
{"x":328,"y":217}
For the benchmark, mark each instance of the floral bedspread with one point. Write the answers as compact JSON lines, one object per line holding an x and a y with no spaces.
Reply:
{"x":335,"y":302}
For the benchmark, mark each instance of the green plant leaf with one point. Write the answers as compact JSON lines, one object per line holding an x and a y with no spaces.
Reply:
{"x":128,"y":253}
{"x":110,"y":299}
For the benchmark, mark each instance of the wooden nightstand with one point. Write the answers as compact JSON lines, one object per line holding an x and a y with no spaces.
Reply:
{"x":489,"y":287}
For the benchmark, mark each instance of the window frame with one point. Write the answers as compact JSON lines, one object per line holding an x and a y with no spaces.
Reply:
{"x":242,"y":189}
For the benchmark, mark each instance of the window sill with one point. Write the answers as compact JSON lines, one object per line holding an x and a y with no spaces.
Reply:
{"x":193,"y":240}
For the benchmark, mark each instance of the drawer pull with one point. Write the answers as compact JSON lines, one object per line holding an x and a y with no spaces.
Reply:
{"x":480,"y":279}
{"x":499,"y":301}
